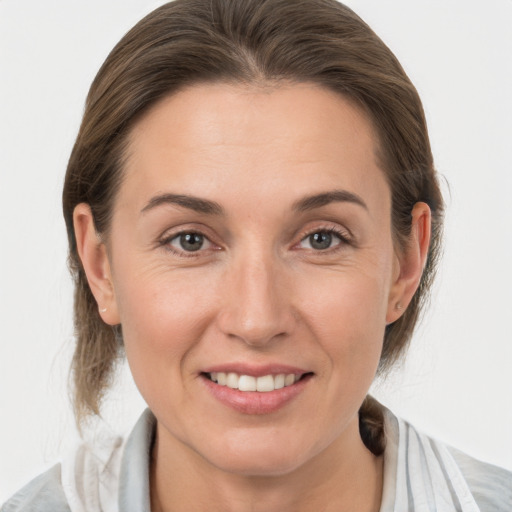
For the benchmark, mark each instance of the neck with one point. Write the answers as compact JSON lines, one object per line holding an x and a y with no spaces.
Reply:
{"x":345,"y":476}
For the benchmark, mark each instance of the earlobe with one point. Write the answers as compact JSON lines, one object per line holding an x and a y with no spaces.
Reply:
{"x":93,"y":255}
{"x":410,"y":263}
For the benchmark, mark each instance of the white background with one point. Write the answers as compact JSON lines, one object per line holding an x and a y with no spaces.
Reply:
{"x":457,"y":382}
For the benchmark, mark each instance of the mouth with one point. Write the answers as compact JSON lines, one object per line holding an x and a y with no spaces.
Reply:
{"x":256,"y":389}
{"x":250,"y":383}
{"x":251,"y":395}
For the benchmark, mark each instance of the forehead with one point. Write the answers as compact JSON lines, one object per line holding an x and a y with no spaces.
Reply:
{"x":220,"y":113}
{"x":211,"y":139}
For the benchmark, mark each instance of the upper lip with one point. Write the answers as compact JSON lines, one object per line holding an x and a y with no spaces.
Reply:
{"x":255,"y":370}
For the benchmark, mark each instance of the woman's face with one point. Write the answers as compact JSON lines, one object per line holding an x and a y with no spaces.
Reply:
{"x":251,"y":244}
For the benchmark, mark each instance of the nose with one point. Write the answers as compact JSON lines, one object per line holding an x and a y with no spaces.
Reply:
{"x":257,"y":306}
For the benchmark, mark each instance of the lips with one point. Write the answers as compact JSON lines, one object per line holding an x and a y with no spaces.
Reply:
{"x":251,"y":390}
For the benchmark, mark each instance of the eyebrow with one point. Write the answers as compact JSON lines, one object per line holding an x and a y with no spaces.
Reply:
{"x":190,"y":202}
{"x":208,"y":207}
{"x":325,"y":198}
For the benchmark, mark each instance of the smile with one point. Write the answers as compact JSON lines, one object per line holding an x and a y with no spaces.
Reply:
{"x":263,"y":384}
{"x":266,"y":391}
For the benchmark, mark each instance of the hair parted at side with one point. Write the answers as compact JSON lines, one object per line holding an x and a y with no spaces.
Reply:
{"x":249,"y":42}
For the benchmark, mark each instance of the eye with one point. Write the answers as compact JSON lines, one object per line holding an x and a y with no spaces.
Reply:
{"x":322,"y":240}
{"x":189,"y":242}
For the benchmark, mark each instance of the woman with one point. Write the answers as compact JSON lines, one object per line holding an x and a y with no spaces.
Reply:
{"x":254,"y":218}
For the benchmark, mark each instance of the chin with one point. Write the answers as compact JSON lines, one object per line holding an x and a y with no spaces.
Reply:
{"x":260,"y":458}
{"x":260,"y":466}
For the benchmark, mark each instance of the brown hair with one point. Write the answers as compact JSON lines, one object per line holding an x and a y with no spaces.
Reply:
{"x":254,"y":42}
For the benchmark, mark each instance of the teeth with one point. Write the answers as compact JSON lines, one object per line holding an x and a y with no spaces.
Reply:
{"x":279,"y":381}
{"x":246,"y":383}
{"x":232,"y":380}
{"x":289,"y":379}
{"x":250,"y":383}
{"x":265,"y":383}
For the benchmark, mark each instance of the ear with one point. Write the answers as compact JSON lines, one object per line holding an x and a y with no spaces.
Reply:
{"x":93,"y":254}
{"x":410,"y":263}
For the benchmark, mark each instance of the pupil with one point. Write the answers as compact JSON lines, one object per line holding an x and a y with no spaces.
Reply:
{"x":320,"y":240}
{"x":191,"y":241}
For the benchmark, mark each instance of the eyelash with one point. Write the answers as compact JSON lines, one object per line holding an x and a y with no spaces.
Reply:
{"x":344,"y":237}
{"x":166,"y":243}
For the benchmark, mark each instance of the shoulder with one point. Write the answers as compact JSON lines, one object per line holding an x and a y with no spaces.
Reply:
{"x":43,"y":494}
{"x":106,"y":473}
{"x":421,"y":469}
{"x":490,"y":485}
{"x":85,"y":480}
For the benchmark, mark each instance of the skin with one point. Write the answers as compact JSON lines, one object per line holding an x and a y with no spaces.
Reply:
{"x":257,"y":292}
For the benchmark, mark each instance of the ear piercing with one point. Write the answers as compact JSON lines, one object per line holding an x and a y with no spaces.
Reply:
{"x":399,"y":306}
{"x":103,"y":310}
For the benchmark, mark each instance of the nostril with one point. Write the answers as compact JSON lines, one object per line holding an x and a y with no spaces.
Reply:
{"x":258,"y":337}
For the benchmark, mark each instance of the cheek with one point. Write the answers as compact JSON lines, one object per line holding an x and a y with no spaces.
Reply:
{"x":156,"y":300}
{"x":163,"y":315}
{"x":347,"y":314}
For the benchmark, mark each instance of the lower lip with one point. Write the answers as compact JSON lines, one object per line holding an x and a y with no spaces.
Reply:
{"x":254,"y":402}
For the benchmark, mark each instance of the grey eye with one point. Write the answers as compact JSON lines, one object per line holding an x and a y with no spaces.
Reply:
{"x":189,"y":242}
{"x":320,"y":240}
